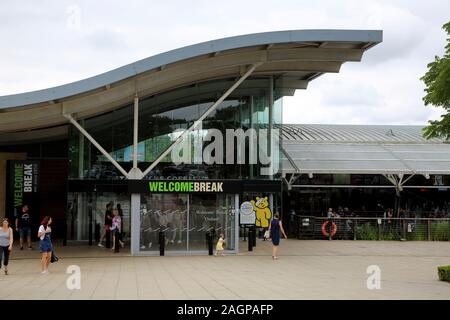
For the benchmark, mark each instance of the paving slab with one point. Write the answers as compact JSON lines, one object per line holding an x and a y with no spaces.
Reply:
{"x":305,"y":270}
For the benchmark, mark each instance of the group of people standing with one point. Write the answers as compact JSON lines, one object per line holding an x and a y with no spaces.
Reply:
{"x":113,"y":225}
{"x":23,"y":226}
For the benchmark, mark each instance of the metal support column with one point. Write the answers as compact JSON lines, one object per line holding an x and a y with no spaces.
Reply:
{"x":135,"y":131}
{"x":135,"y":222}
{"x":271,"y":101}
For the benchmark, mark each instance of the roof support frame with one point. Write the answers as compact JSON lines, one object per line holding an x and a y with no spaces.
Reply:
{"x":198,"y":122}
{"x":95,"y":143}
{"x":397,"y":181}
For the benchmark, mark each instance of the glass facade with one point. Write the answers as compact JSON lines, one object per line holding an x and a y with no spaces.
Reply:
{"x":86,"y":213}
{"x":369,"y":195}
{"x":159,"y":118}
{"x":185,"y":219}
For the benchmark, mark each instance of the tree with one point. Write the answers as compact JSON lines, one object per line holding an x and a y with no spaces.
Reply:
{"x":437,"y":81}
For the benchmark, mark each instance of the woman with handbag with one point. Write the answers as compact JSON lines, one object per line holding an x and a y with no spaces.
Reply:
{"x":275,"y":228}
{"x":6,"y":242}
{"x":45,"y":244}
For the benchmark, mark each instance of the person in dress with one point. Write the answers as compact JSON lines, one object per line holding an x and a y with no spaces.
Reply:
{"x":45,"y":244}
{"x":116,"y":229}
{"x":275,"y":228}
{"x":220,"y":244}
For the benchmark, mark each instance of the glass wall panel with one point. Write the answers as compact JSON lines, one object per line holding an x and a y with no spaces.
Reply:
{"x":86,"y":212}
{"x":163,"y":213}
{"x":185,"y":221}
{"x":159,"y":117}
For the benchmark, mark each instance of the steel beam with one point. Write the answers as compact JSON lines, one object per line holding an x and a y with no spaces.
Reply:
{"x":95,"y":143}
{"x":203,"y":116}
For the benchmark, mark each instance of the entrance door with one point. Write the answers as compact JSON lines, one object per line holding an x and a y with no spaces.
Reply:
{"x":167,"y":213}
{"x":185,"y":220}
{"x":213,"y":213}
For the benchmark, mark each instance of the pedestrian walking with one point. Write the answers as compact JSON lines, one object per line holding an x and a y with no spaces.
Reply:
{"x":23,"y":226}
{"x":6,"y":243}
{"x":108,"y":223}
{"x":220,"y":244}
{"x":119,"y":209}
{"x":116,"y":229}
{"x":275,"y":228}
{"x":45,"y":244}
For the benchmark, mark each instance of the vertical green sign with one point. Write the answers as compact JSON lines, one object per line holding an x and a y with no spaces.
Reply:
{"x":24,"y":179}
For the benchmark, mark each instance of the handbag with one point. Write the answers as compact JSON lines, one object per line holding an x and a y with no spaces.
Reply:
{"x":53,"y":258}
{"x":267,"y":234}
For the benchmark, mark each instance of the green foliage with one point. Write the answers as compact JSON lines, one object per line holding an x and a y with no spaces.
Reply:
{"x":437,"y":81}
{"x":366,"y":232}
{"x":419,"y":233}
{"x":444,"y":273}
{"x":440,"y":231}
{"x":390,"y":234}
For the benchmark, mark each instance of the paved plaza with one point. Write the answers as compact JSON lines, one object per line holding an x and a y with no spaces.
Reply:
{"x":305,"y":270}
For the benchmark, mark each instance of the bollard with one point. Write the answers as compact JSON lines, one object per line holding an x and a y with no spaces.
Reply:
{"x":254,"y":236}
{"x":379,"y":230}
{"x":108,"y":239}
{"x":97,"y":232}
{"x":90,"y":229}
{"x":209,"y":241}
{"x":65,"y":237}
{"x":162,"y":243}
{"x":116,"y":241}
{"x":250,"y":242}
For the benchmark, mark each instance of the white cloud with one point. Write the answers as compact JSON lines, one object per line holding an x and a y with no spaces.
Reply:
{"x":39,"y":49}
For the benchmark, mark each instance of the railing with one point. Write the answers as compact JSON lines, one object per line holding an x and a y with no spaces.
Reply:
{"x":362,"y":228}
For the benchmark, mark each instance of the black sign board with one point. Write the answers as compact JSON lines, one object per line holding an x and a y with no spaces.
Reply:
{"x":23,"y":180}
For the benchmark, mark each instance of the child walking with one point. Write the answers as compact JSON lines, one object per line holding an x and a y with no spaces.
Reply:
{"x":116,"y":229}
{"x":220,"y":244}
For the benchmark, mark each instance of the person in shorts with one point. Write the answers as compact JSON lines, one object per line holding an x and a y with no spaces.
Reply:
{"x":108,"y":223}
{"x":23,"y":226}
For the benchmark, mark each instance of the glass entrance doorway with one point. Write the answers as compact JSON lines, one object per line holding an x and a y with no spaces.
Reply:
{"x":86,"y":211}
{"x":185,"y":220}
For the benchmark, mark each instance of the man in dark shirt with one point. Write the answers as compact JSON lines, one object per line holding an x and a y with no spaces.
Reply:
{"x":108,"y":222}
{"x":23,"y":226}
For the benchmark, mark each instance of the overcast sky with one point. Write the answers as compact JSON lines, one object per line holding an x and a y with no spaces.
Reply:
{"x":49,"y":43}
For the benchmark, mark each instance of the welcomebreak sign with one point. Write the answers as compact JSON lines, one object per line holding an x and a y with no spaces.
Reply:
{"x":202,"y":186}
{"x":23,"y":181}
{"x":185,"y":186}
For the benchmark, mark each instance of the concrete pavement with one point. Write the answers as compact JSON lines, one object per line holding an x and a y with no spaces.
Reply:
{"x":305,"y":270}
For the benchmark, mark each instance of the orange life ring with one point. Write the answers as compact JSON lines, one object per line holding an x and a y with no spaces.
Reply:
{"x":324,"y":229}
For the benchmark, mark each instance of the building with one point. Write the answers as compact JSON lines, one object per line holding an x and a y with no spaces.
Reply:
{"x":366,"y":168}
{"x":71,"y":149}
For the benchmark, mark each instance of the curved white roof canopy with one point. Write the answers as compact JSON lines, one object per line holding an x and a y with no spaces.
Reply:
{"x":295,"y":57}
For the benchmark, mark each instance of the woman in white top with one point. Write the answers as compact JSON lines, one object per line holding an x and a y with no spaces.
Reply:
{"x":6,"y":242}
{"x":45,"y":243}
